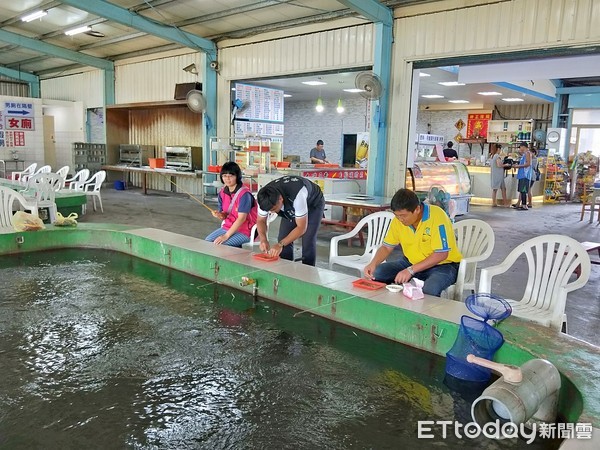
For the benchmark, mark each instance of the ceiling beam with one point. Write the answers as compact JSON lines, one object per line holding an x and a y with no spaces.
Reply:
{"x":131,"y":19}
{"x":372,"y":10}
{"x":18,"y":75}
{"x":29,"y":78}
{"x":383,"y":21}
{"x":54,"y":50}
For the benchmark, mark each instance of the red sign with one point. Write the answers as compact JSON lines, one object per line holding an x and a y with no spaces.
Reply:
{"x":19,"y":139}
{"x":13,"y":139}
{"x":477,"y":125}
{"x":346,"y":174}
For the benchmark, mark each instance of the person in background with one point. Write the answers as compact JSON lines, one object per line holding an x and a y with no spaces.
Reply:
{"x":317,"y":154}
{"x":237,"y":209}
{"x":449,"y":152}
{"x":497,"y":173}
{"x":533,"y":174}
{"x":300,"y":204}
{"x":523,"y":176}
{"x":428,"y":243}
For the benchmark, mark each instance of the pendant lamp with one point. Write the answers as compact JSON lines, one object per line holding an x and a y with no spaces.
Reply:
{"x":319,"y":106}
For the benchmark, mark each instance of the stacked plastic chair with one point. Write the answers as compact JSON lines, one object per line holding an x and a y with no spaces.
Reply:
{"x":477,"y":337}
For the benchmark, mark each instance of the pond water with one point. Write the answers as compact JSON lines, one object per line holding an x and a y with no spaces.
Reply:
{"x":103,"y":350}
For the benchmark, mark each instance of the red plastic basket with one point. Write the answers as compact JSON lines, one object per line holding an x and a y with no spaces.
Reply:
{"x":368,"y":284}
{"x":265,"y":257}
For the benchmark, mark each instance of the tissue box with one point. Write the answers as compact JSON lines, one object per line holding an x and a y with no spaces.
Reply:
{"x":413,"y":289}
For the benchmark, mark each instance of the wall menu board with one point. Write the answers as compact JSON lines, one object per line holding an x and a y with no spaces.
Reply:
{"x":263,"y":104}
{"x":243,"y":128}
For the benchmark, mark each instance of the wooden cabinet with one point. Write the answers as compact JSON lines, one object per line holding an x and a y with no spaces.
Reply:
{"x":161,"y":124}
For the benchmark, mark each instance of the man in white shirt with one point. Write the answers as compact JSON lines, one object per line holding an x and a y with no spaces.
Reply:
{"x":300,"y":204}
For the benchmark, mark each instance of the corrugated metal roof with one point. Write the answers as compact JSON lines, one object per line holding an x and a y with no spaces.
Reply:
{"x":210,"y":19}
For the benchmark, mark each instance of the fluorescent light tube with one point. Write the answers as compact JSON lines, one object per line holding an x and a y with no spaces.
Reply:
{"x":78,"y":30}
{"x":33,"y":16}
{"x":314,"y":83}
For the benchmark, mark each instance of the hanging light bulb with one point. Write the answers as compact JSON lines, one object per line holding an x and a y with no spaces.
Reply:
{"x":340,"y":108}
{"x":319,"y":106}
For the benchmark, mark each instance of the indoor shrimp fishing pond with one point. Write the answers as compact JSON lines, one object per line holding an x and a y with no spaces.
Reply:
{"x":102,"y":349}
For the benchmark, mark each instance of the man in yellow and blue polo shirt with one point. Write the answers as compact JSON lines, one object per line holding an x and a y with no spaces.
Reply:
{"x":427,"y":239}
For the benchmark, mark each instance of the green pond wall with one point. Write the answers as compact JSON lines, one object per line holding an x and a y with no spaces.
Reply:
{"x":577,"y":361}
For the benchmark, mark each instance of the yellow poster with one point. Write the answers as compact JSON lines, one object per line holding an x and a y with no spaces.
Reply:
{"x":362,"y":150}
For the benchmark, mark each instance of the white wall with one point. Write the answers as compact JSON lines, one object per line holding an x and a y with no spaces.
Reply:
{"x":154,"y":80}
{"x":86,"y":87}
{"x":33,"y":150}
{"x":69,"y":127}
{"x":338,"y":49}
{"x":304,"y":126}
{"x":441,"y":123}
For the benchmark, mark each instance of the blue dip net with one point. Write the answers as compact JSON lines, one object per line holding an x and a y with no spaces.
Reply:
{"x":475,"y":337}
{"x":488,"y":306}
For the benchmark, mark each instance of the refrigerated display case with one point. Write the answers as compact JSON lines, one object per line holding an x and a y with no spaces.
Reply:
{"x":452,"y":176}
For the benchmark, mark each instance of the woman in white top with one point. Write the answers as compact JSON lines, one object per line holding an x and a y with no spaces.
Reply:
{"x":497,"y":175}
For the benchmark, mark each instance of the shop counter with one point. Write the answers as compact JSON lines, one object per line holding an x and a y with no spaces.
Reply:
{"x":331,"y":181}
{"x":482,"y":191}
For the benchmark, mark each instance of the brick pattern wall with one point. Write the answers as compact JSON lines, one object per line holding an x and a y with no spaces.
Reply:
{"x":304,"y":126}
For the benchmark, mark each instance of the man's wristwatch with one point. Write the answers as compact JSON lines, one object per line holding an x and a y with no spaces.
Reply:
{"x":411,"y":271}
{"x":281,"y":244}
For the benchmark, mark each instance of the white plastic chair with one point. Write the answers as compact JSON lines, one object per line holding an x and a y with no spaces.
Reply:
{"x":43,"y":169}
{"x":250,"y":245}
{"x":77,"y":181}
{"x":8,"y":197}
{"x":552,"y":261}
{"x":29,"y":170}
{"x":377,"y":225}
{"x":475,"y":240}
{"x":63,"y":172}
{"x":42,"y":189}
{"x":92,"y":189}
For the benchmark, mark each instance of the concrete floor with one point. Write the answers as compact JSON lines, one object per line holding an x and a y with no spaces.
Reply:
{"x":180,"y":214}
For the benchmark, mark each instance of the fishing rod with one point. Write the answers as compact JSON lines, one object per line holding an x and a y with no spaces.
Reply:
{"x":324,"y":305}
{"x":183,"y":190}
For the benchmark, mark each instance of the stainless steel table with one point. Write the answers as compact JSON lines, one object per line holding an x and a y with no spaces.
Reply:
{"x":170,"y":174}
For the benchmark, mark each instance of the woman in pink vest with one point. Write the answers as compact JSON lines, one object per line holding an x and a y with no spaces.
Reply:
{"x":237,"y":209}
